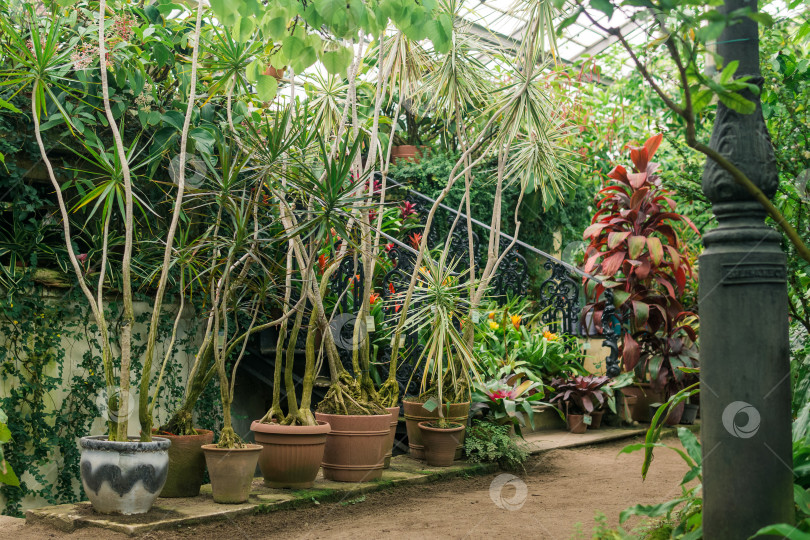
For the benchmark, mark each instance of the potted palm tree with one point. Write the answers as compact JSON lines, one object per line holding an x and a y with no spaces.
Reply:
{"x":448,"y":366}
{"x":120,"y":473}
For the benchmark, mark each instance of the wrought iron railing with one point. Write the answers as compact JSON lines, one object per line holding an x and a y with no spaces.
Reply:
{"x":560,"y":292}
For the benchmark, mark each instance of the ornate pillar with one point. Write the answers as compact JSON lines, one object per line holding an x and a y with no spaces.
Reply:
{"x":745,"y":373}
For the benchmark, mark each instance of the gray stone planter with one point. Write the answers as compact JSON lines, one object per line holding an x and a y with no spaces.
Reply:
{"x":123,"y":477}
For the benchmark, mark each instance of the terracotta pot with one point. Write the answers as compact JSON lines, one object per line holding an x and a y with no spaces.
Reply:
{"x":390,"y":444}
{"x":545,"y":418}
{"x":576,"y":424}
{"x":415,"y":413}
{"x":231,"y":471}
{"x":291,"y":455}
{"x":186,"y":463}
{"x":408,"y":152}
{"x":355,"y":448}
{"x":440,"y":443}
{"x":673,"y":416}
{"x":123,"y":477}
{"x":278,"y":74}
{"x":644,"y":397}
{"x":596,"y":419}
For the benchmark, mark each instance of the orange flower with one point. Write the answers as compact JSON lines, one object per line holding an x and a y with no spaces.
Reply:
{"x":373,"y":297}
{"x":549,"y":336}
{"x":391,"y":288}
{"x":491,"y":315}
{"x":516,"y":321}
{"x":322,"y":262}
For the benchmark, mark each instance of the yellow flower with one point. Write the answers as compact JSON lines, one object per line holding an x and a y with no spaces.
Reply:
{"x":15,"y":322}
{"x":493,"y":325}
{"x":516,"y":321}
{"x":549,"y":336}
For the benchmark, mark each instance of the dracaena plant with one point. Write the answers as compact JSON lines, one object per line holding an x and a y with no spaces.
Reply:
{"x":635,"y":249}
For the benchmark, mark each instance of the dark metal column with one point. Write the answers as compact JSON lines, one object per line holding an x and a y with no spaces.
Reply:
{"x":745,"y":382}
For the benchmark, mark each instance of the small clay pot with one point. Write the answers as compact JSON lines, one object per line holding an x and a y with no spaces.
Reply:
{"x":231,"y":471}
{"x":355,"y":447}
{"x":440,"y":443}
{"x":186,"y":463}
{"x":596,"y":419}
{"x":690,"y":411}
{"x":576,"y":423}
{"x":415,"y":413}
{"x":390,"y":444}
{"x":291,"y":455}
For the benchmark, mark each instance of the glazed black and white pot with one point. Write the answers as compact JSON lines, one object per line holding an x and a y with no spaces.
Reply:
{"x":123,"y":477}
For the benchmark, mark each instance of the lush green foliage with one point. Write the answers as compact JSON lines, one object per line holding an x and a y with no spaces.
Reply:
{"x":487,"y":442}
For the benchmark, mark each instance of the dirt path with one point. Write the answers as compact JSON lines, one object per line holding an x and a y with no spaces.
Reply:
{"x":564,"y":490}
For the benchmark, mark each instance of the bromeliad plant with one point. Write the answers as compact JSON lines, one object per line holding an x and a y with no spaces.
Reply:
{"x":635,"y":249}
{"x":581,"y":394}
{"x":508,"y":401}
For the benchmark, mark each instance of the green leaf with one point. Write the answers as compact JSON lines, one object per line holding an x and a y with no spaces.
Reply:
{"x":244,"y":29}
{"x":636,"y":246}
{"x":8,"y":477}
{"x":5,"y":434}
{"x":737,"y":103}
{"x":605,"y":6}
{"x":226,"y":11}
{"x":783,"y":530}
{"x":266,"y":87}
{"x":727,"y":75}
{"x":440,"y":32}
{"x":701,"y":99}
{"x":337,"y":62}
{"x":690,"y":444}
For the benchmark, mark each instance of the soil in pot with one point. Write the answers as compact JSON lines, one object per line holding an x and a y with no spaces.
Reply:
{"x":394,"y":411}
{"x":186,"y":463}
{"x":123,"y":477}
{"x":231,"y":471}
{"x":291,"y":455}
{"x":415,"y":413}
{"x":355,"y":447}
{"x":440,"y":442}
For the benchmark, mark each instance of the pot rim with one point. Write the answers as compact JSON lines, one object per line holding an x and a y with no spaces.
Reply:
{"x":101,"y":442}
{"x":249,"y":447}
{"x":276,"y":428}
{"x":201,"y":433}
{"x":424,"y":425}
{"x":354,"y":415}
{"x":410,"y":399}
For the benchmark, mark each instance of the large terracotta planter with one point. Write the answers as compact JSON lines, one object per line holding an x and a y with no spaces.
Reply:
{"x":355,"y":447}
{"x":394,"y":411}
{"x":639,"y":397}
{"x":231,"y":471}
{"x":407,"y":152}
{"x":291,"y":455}
{"x":123,"y":477}
{"x":546,"y":418}
{"x":186,"y":463}
{"x":673,"y":416}
{"x":596,"y":419}
{"x":440,"y":443}
{"x":415,"y":413}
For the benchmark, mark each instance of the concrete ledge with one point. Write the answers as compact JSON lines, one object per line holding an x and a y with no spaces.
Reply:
{"x":170,"y":513}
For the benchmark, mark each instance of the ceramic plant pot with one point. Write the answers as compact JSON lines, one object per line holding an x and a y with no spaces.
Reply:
{"x":415,"y":413}
{"x":231,"y":471}
{"x":186,"y":463}
{"x":390,"y":444}
{"x":355,"y":447}
{"x":576,"y":423}
{"x":440,"y":443}
{"x":291,"y":455}
{"x":123,"y":477}
{"x":690,"y":411}
{"x":596,"y":419}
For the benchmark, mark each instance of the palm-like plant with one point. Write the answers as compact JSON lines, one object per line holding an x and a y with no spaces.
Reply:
{"x":439,"y":308}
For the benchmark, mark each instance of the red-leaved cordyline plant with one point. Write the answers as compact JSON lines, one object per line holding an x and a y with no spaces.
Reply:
{"x":634,"y":248}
